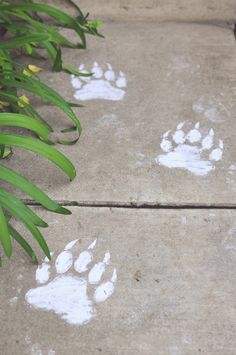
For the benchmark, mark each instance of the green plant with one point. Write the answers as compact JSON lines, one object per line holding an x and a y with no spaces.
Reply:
{"x":24,"y":31}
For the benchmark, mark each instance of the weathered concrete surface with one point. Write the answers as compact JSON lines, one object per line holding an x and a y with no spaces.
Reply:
{"x":175,"y":73}
{"x":175,"y":292}
{"x":160,"y":10}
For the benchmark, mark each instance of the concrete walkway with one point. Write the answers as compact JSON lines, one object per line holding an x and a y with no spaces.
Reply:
{"x":146,"y":262}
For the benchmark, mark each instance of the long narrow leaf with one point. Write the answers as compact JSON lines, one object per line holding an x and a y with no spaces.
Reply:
{"x":44,"y":91}
{"x":40,"y":148}
{"x":55,"y":36}
{"x":57,"y":14}
{"x":32,"y":190}
{"x":23,"y":243}
{"x":19,"y":120}
{"x":23,"y":217}
{"x":19,"y":41}
{"x":29,"y":109}
{"x":4,"y":234}
{"x":9,"y":198}
{"x":72,"y":3}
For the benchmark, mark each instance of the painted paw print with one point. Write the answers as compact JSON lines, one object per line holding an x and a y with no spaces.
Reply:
{"x":101,"y":85}
{"x":67,"y":292}
{"x":190,"y":151}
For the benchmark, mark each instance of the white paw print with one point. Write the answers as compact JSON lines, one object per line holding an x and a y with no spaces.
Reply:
{"x":67,"y":292}
{"x":190,"y":151}
{"x":101,"y":85}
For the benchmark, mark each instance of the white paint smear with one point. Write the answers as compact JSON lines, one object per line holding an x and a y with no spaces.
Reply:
{"x":230,"y":240}
{"x":179,"y":136}
{"x":104,"y":85}
{"x":207,"y":142}
{"x":84,"y":259}
{"x":35,"y":348}
{"x":232,"y":167}
{"x":93,"y":244}
{"x":97,"y":271}
{"x":182,"y":63}
{"x":66,"y":294}
{"x":211,"y":108}
{"x":166,"y":145}
{"x":42,"y":273}
{"x":109,"y":74}
{"x":216,"y":154}
{"x":81,"y":264}
{"x":97,"y":71}
{"x":194,"y":135}
{"x":106,"y":289}
{"x":71,"y":244}
{"x":63,"y":262}
{"x":190,"y":151}
{"x":13,"y":300}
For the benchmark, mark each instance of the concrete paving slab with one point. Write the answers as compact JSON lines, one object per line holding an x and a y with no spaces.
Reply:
{"x":158,"y":126}
{"x":160,"y":10}
{"x":174,"y":293}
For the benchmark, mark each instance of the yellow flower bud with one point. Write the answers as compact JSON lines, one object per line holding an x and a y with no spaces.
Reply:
{"x":27,"y":72}
{"x":23,"y":99}
{"x":4,"y":104}
{"x":34,"y":68}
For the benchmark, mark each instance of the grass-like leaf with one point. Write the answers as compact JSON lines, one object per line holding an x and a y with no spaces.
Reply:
{"x":40,"y":148}
{"x":19,"y":41}
{"x":18,"y":120}
{"x":28,"y":110}
{"x":30,"y":34}
{"x":30,"y":189}
{"x":23,"y":243}
{"x":23,"y":216}
{"x":63,"y":19}
{"x":11,"y":199}
{"x":42,"y":90}
{"x":4,"y":234}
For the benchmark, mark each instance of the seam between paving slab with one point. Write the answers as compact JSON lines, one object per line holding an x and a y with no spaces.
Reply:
{"x":138,"y":205}
{"x":234,"y":30}
{"x":226,"y":24}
